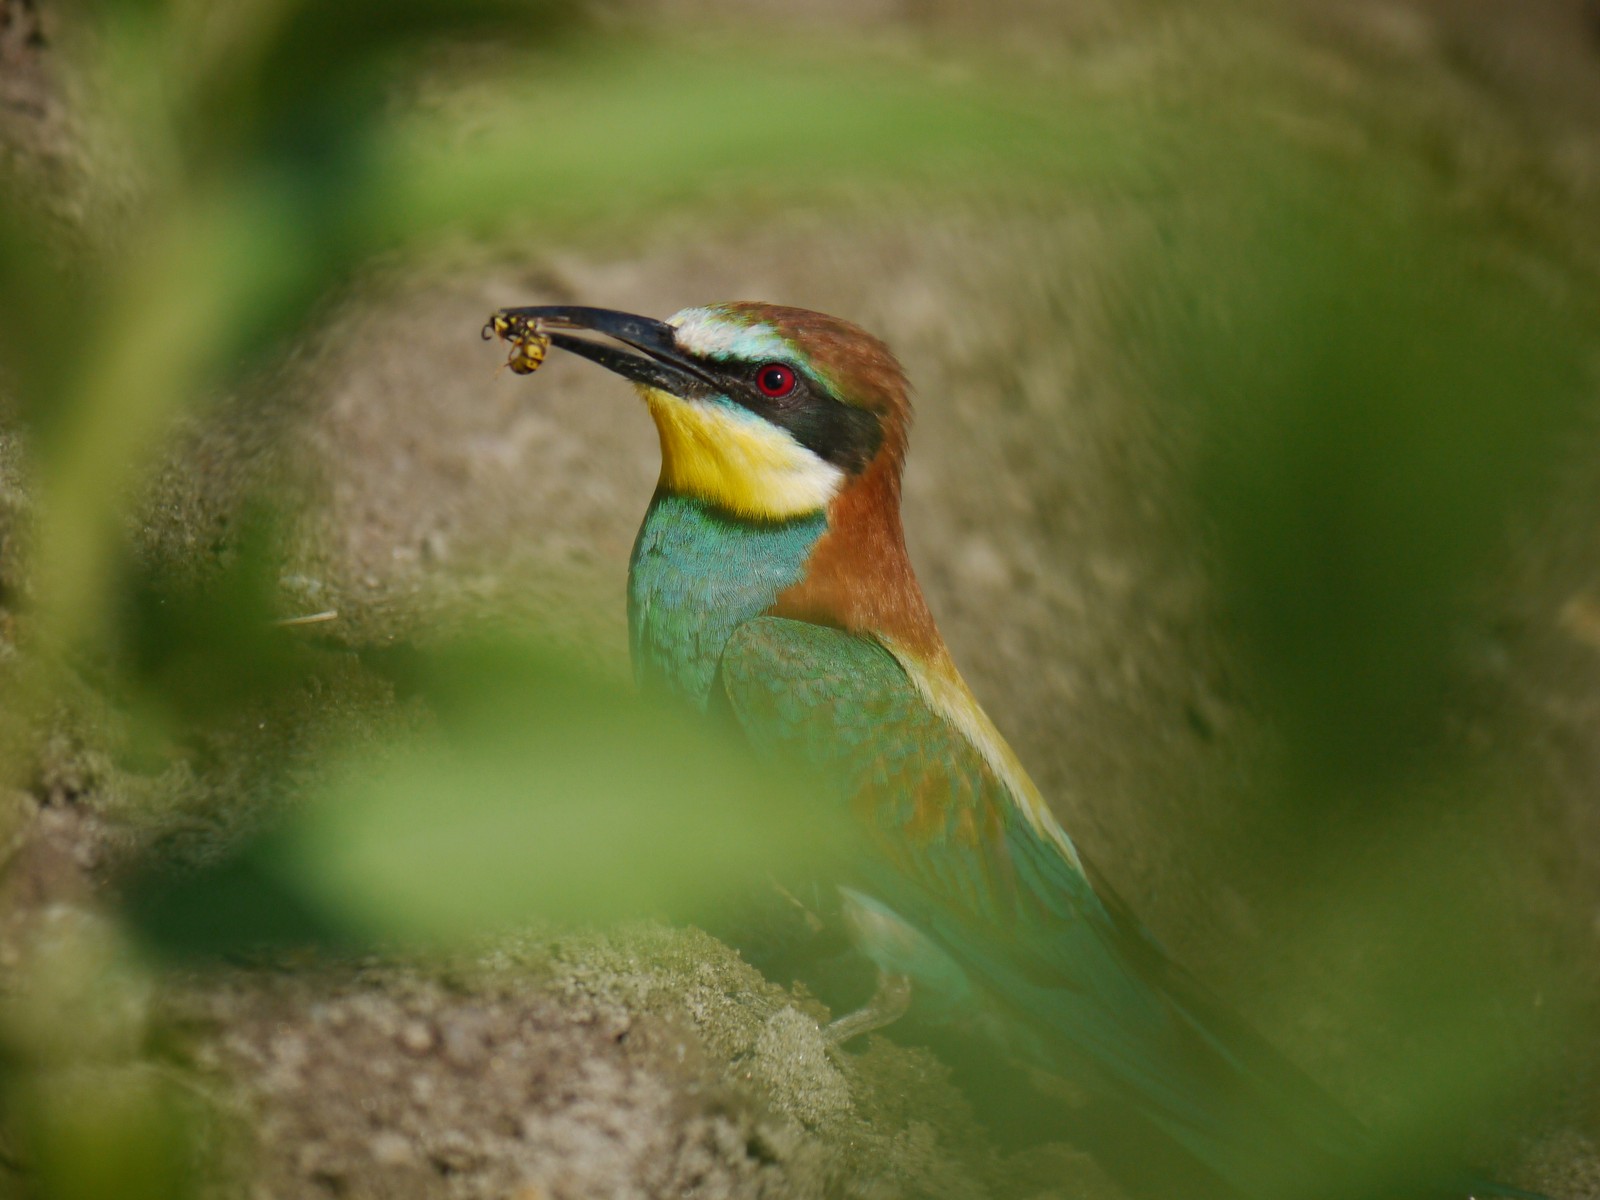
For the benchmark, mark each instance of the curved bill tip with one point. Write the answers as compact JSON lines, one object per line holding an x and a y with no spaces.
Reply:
{"x":659,"y":363}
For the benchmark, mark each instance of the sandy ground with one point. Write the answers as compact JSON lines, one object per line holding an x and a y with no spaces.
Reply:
{"x":1045,"y":514}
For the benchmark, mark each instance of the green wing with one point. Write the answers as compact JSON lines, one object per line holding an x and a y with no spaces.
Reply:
{"x":947,"y":848}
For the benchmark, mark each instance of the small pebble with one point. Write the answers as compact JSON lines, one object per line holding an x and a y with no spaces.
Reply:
{"x":416,"y":1037}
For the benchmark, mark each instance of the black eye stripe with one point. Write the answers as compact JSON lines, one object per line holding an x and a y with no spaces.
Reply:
{"x":839,"y":433}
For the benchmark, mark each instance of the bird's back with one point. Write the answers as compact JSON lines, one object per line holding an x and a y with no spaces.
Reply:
{"x":1070,"y":983}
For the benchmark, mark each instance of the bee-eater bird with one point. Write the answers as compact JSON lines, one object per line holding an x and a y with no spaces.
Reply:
{"x":770,"y":583}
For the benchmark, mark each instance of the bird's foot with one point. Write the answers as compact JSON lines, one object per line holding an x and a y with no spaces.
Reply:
{"x":888,"y":1004}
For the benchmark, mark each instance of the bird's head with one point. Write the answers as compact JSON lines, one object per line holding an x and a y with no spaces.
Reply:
{"x":768,"y":414}
{"x":765,"y":412}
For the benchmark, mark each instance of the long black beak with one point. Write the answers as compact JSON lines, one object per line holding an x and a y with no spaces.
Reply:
{"x":659,"y":363}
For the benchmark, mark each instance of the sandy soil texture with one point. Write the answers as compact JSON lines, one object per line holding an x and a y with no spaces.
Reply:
{"x":1047,"y":517}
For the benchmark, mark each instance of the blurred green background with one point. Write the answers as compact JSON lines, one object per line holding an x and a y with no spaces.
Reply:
{"x":1253,"y":485}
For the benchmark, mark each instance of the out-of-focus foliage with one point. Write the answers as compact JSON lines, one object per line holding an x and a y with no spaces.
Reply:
{"x":539,"y":792}
{"x":1369,"y":399}
{"x":266,"y":151}
{"x":1373,"y":391}
{"x":95,"y":1131}
{"x":259,"y":196}
{"x":547,"y":793}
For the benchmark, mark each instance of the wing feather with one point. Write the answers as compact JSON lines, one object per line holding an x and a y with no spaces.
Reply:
{"x":949,"y":848}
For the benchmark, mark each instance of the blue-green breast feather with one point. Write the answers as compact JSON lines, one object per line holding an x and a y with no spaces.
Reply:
{"x":696,"y":574}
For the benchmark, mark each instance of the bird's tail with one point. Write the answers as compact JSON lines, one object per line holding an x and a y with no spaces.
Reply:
{"x":1212,"y":1109}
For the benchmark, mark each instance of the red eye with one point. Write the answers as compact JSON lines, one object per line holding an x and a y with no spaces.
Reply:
{"x":775,"y":380}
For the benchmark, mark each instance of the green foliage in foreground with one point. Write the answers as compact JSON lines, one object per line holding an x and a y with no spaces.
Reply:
{"x":1370,"y":399}
{"x":538,"y":791}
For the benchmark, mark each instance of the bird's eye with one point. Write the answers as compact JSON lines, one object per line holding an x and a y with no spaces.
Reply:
{"x":775,"y":380}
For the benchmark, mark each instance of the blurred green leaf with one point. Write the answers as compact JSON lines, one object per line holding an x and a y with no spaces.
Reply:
{"x":1372,"y":398}
{"x":254,"y":901}
{"x":94,"y":1132}
{"x":619,"y":131}
{"x":215,"y":266}
{"x":204,"y":645}
{"x":1372,"y":386}
{"x":161,"y":342}
{"x":296,"y":91}
{"x":544,"y":795}
{"x":552,"y":795}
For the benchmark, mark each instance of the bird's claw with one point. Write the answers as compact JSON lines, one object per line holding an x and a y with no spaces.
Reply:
{"x":888,"y":1004}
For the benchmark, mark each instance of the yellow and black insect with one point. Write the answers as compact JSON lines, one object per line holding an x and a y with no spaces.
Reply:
{"x":529,"y":342}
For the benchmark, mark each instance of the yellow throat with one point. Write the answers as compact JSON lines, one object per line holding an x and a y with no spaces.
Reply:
{"x":719,"y":453}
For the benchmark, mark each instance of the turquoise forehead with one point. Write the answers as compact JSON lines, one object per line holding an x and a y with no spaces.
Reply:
{"x":718,"y":334}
